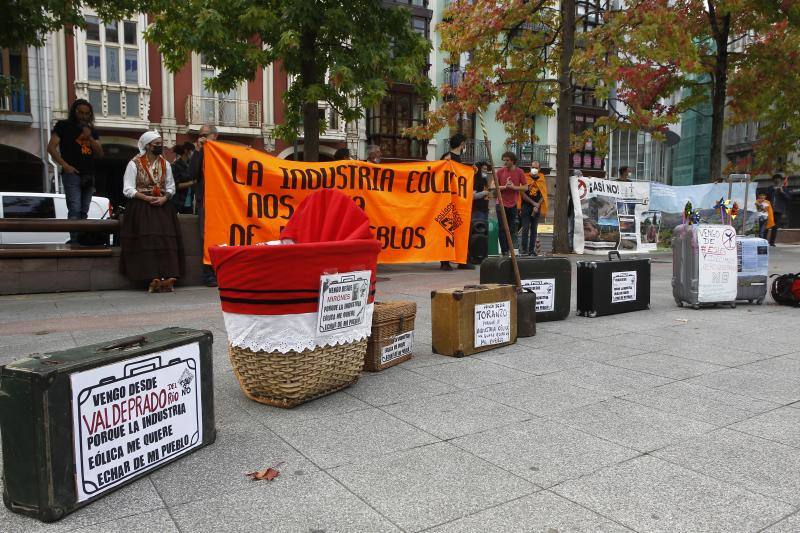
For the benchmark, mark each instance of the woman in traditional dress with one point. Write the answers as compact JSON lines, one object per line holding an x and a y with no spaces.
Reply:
{"x":152,"y":248}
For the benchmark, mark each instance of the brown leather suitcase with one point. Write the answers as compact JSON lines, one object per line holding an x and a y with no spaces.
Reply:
{"x":473,"y":319}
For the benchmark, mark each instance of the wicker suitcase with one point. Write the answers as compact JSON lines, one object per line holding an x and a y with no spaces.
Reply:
{"x":473,"y":319}
{"x":392,"y":336}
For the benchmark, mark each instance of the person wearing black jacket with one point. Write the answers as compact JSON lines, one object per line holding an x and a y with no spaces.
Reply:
{"x":457,"y":144}
{"x":207,"y":133}
{"x":780,"y":204}
{"x":184,"y":194}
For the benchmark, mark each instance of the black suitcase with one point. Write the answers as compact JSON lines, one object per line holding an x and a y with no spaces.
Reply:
{"x":549,"y":277}
{"x":610,"y":287}
{"x":79,"y":423}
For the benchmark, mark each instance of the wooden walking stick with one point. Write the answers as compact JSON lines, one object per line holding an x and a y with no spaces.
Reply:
{"x":503,"y":218}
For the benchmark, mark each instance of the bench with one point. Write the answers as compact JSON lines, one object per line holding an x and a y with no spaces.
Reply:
{"x":48,"y":225}
{"x":39,"y":268}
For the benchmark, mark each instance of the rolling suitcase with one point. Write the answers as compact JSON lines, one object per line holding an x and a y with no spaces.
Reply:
{"x":610,"y":287}
{"x":80,"y":423}
{"x":704,"y":265}
{"x":549,"y":277}
{"x":753,"y":269}
{"x":473,"y":319}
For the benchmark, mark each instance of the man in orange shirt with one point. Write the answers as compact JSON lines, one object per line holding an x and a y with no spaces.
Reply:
{"x":510,"y":182}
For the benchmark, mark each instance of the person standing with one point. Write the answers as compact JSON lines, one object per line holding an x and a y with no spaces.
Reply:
{"x":765,"y":214}
{"x":75,"y":145}
{"x":152,"y":246}
{"x":374,"y":153}
{"x":534,"y":206}
{"x":510,"y":181}
{"x":208,"y":132}
{"x":184,"y":194}
{"x":624,"y":174}
{"x":457,"y":143}
{"x":342,"y":154}
{"x":780,"y":203}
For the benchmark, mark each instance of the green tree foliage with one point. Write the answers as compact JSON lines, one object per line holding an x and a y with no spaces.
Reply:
{"x":742,"y":53}
{"x":344,"y":53}
{"x":27,"y":22}
{"x":520,"y":54}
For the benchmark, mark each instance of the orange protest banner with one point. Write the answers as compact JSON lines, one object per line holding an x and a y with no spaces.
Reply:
{"x":418,"y":211}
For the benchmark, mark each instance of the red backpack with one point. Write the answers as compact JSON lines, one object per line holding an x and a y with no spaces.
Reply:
{"x":786,"y":289}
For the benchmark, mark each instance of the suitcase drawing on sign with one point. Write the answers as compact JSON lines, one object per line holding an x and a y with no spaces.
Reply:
{"x":704,"y":265}
{"x":457,"y":316}
{"x":610,"y":287}
{"x":753,"y":269}
{"x":549,"y":277}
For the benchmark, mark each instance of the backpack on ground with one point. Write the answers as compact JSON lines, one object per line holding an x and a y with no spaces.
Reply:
{"x":786,"y":289}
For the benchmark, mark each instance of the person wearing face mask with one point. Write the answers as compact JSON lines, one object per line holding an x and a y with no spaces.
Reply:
{"x":534,"y":207}
{"x":152,"y":247}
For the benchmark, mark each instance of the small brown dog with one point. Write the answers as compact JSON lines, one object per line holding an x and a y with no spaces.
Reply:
{"x":162,"y":285}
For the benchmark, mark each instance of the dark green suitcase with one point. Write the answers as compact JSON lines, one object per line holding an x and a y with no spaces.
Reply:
{"x":79,"y":423}
{"x":549,"y":277}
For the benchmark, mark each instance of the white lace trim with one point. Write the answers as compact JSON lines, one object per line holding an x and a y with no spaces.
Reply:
{"x":285,"y":333}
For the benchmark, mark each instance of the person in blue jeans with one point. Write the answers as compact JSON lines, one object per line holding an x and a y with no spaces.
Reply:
{"x":75,"y":145}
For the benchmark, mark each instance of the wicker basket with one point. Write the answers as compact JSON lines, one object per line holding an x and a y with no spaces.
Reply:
{"x":289,"y":379}
{"x":389,"y":320}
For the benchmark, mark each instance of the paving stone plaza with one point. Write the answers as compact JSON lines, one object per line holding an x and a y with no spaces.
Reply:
{"x":662,"y":420}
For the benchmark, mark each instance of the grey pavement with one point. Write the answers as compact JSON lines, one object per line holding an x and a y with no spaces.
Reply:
{"x":670,"y":419}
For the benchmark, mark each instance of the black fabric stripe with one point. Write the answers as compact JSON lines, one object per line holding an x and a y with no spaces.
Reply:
{"x":314,"y":291}
{"x":278,"y":291}
{"x":269,"y":302}
{"x":259,"y":301}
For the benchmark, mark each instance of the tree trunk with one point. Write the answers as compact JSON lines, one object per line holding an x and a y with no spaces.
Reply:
{"x":309,"y":76}
{"x":718,"y":98}
{"x":561,"y":242}
{"x":310,"y":132}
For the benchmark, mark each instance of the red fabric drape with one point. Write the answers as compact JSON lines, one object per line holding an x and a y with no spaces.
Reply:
{"x":325,"y":216}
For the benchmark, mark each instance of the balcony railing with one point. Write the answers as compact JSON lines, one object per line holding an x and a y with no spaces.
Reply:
{"x":476,"y":151}
{"x":528,"y":152}
{"x":226,"y":112}
{"x":14,"y":97}
{"x":116,"y":104}
{"x":453,"y":75}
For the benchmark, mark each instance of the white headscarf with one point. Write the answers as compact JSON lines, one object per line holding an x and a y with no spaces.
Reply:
{"x":146,"y":138}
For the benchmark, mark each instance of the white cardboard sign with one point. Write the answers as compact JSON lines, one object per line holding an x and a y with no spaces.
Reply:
{"x":402,"y":344}
{"x":717,"y":263}
{"x":545,"y":290}
{"x":623,"y":286}
{"x":131,"y":416}
{"x":342,"y":301}
{"x":492,"y":323}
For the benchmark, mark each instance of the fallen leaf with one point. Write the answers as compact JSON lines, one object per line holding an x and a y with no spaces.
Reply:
{"x":269,"y":473}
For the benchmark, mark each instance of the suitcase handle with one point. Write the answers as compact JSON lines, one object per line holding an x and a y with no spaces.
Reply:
{"x":136,"y":341}
{"x":131,"y":369}
{"x":612,"y":253}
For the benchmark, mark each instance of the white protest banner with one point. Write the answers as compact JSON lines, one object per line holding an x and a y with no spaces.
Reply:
{"x":492,"y":323}
{"x":401,"y":345}
{"x":623,"y":286}
{"x":131,"y":416}
{"x":545,"y":290}
{"x":717,"y":263}
{"x":343,"y":302}
{"x":640,"y":216}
